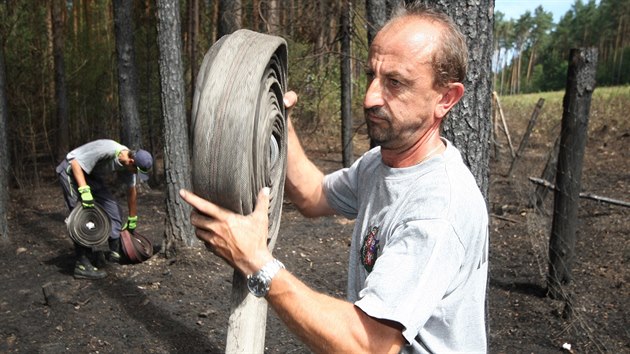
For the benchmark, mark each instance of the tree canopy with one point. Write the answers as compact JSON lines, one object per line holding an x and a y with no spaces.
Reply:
{"x":531,"y":52}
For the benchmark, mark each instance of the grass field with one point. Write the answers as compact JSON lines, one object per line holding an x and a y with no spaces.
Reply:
{"x":609,"y":108}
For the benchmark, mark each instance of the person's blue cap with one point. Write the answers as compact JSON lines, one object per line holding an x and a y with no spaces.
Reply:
{"x":143,"y":161}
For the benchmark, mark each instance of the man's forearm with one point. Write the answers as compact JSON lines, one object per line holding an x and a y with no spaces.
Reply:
{"x":78,"y":174}
{"x":327,"y":324}
{"x":131,"y":201}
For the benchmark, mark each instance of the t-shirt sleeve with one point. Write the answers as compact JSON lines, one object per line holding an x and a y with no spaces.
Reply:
{"x":340,"y":189}
{"x":412,"y":275}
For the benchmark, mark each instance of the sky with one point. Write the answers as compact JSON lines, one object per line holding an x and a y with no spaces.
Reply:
{"x":513,"y":9}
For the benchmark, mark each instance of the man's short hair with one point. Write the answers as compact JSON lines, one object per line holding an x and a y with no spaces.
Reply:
{"x":450,"y":59}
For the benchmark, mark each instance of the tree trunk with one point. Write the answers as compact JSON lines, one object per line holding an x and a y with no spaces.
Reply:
{"x":148,"y":92}
{"x":193,"y":30}
{"x":178,"y":229}
{"x":5,"y":161}
{"x":530,"y":64}
{"x":229,"y":17}
{"x":131,"y":131}
{"x":377,"y":14}
{"x":63,"y":144}
{"x":346,"y":86}
{"x":518,"y":72}
{"x":576,"y":106}
{"x":469,"y":123}
{"x":273,"y":17}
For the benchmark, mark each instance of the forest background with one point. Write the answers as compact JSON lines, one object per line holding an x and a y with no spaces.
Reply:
{"x":530,"y":55}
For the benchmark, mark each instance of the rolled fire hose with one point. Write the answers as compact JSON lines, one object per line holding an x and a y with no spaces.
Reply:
{"x":239,"y":142}
{"x":239,"y":133}
{"x":89,"y":227}
{"x":136,"y":247}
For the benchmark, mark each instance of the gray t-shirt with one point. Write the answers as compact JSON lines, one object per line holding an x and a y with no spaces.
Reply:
{"x":100,"y":158}
{"x":419,"y":248}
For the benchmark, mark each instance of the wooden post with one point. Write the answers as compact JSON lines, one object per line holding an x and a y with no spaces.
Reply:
{"x":505,"y":127}
{"x":576,"y":106}
{"x":495,"y":126}
{"x":528,"y":132}
{"x":248,"y":320}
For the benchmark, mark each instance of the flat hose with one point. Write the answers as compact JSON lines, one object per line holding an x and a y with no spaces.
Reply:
{"x":239,"y":143}
{"x":239,"y":136}
{"x":89,"y":227}
{"x":136,"y":247}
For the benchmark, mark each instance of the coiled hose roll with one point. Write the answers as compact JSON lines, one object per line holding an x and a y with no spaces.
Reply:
{"x":239,"y":135}
{"x":88,"y":227}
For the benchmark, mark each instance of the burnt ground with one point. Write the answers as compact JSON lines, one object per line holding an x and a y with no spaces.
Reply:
{"x":181,"y":304}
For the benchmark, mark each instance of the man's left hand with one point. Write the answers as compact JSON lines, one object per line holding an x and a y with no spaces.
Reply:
{"x":131,"y":224}
{"x":240,"y":240}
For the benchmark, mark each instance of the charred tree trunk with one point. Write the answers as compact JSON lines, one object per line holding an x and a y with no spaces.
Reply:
{"x":230,"y":12}
{"x":131,"y":132}
{"x":5,"y":162}
{"x":346,"y":86}
{"x":576,"y":106}
{"x":193,"y":30}
{"x":178,"y":229}
{"x":377,"y":13}
{"x":63,"y":136}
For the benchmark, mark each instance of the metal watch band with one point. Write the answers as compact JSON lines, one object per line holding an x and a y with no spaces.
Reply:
{"x":271,"y":268}
{"x":260,"y":282}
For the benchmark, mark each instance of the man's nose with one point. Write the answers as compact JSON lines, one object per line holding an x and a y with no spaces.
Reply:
{"x":373,"y":95}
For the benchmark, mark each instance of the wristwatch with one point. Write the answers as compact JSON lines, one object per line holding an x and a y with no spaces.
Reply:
{"x":259,"y":282}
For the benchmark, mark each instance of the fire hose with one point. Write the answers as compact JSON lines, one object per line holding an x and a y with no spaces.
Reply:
{"x":238,"y":126}
{"x":239,"y":146}
{"x":88,"y":227}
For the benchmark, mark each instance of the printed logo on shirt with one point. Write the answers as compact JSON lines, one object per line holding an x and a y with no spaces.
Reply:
{"x":369,"y":249}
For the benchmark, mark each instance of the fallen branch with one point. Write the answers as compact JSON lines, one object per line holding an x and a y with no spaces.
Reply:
{"x":592,"y":196}
{"x":504,"y":218}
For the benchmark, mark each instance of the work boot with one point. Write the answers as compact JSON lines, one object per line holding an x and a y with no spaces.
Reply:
{"x":83,"y":269}
{"x":114,"y":250}
{"x":99,"y":259}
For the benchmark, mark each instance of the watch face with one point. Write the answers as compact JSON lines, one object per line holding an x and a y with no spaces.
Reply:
{"x":256,"y":286}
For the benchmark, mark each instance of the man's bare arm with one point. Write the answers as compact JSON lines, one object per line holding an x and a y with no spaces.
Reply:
{"x":303,"y":184}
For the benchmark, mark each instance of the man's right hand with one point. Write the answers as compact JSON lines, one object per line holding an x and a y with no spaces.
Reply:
{"x":87,"y":200}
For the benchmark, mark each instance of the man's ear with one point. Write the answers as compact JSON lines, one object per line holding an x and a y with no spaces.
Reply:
{"x":452,"y":94}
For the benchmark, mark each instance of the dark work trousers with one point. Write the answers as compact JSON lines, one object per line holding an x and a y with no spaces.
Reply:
{"x":100,"y":192}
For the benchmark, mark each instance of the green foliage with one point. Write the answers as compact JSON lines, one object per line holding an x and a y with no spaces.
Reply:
{"x":586,"y":24}
{"x":315,"y":79}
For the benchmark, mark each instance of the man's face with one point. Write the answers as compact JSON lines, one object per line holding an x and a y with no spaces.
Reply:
{"x":126,"y":161}
{"x":400,"y":100}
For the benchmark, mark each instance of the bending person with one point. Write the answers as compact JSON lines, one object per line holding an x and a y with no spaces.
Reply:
{"x":82,"y":176}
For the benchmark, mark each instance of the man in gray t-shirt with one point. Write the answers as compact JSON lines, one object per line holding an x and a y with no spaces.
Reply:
{"x":82,"y":175}
{"x":418,"y":260}
{"x":419,"y":249}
